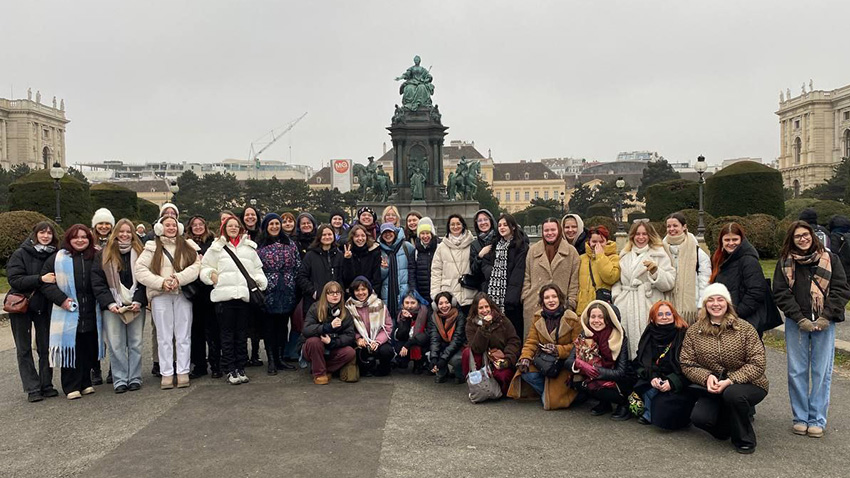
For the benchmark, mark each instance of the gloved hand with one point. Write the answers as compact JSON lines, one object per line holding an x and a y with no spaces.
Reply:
{"x":586,"y":369}
{"x":806,"y":325}
{"x":523,"y":365}
{"x":651,"y":266}
{"x":550,"y":349}
{"x":822,"y":323}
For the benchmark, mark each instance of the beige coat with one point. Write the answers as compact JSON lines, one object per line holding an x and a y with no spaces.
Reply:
{"x":449,"y":264}
{"x":153,"y":282}
{"x":563,"y":271}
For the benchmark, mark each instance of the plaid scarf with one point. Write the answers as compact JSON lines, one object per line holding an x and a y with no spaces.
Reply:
{"x":377,"y":315}
{"x":499,"y":278}
{"x":821,"y":275}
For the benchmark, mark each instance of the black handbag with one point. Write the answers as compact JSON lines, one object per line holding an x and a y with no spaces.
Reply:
{"x":549,"y":365}
{"x":601,"y":294}
{"x":256,"y":297}
{"x":189,"y":290}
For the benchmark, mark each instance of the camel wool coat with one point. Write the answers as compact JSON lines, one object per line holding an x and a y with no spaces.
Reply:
{"x":563,"y":271}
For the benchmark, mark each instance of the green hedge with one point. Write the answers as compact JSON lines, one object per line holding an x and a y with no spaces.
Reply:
{"x":606,"y":221}
{"x":825,"y":210}
{"x":16,"y":226}
{"x":148,"y":211}
{"x":633,"y":216}
{"x":671,"y":196}
{"x":692,"y":217}
{"x":712,"y":229}
{"x":599,"y":210}
{"x":121,"y":202}
{"x":764,"y":232}
{"x":745,"y":188}
{"x":34,"y":192}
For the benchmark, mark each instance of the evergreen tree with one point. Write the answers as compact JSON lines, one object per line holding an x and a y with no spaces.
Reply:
{"x":654,"y":173}
{"x":581,"y":199}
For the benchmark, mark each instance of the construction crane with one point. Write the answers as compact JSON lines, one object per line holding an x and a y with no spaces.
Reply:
{"x":263,"y":143}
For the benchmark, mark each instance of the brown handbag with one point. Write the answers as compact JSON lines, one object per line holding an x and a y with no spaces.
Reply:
{"x":15,"y":303}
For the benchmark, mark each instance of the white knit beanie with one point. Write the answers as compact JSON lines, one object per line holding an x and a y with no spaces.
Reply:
{"x":715,"y":289}
{"x":166,"y":206}
{"x":102,"y":215}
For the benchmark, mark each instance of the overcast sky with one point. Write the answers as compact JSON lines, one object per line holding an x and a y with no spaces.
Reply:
{"x":200,"y":80}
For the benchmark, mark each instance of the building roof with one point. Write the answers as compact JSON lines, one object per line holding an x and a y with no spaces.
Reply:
{"x":321,"y":177}
{"x":517,"y":171}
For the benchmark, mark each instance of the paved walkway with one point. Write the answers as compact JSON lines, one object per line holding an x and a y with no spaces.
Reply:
{"x":397,"y":426}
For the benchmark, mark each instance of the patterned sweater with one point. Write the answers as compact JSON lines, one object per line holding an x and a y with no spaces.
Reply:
{"x":736,"y":352}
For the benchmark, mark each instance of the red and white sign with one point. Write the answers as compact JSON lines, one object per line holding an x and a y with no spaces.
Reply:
{"x":341,"y":174}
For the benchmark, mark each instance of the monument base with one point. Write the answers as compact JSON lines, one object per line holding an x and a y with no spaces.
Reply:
{"x":438,"y":211}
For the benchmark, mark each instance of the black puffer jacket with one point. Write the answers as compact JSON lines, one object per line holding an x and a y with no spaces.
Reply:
{"x":742,"y":274}
{"x":85,"y":294}
{"x":516,"y":271}
{"x":440,"y":349}
{"x":481,"y":240}
{"x":363,"y":262}
{"x":24,"y":273}
{"x":318,"y":267}
{"x":344,"y":336}
{"x":420,"y":268}
{"x":796,"y":302}
{"x":839,"y":239}
{"x":100,"y":286}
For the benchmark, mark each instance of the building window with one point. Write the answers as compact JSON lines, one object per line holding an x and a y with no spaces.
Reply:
{"x":526,"y":195}
{"x":796,"y":124}
{"x":318,"y":180}
{"x":798,"y":148}
{"x":545,"y":194}
{"x":516,"y":196}
{"x":846,"y":115}
{"x":847,"y":143}
{"x":536,"y":194}
{"x":526,"y":175}
{"x":546,"y":175}
{"x":796,"y":188}
{"x":498,"y":196}
{"x":507,"y":176}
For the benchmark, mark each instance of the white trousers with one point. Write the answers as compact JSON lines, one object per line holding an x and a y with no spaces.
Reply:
{"x":172,"y":314}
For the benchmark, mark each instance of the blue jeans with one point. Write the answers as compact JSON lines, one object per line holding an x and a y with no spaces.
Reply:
{"x":809,"y":352}
{"x":537,"y":381}
{"x":125,"y":347}
{"x":647,"y":402}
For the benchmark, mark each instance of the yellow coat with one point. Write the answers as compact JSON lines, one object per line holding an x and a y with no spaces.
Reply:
{"x":606,"y":272}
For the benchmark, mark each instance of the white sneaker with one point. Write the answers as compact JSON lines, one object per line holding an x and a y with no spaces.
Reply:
{"x":233,"y":378}
{"x":242,"y":377}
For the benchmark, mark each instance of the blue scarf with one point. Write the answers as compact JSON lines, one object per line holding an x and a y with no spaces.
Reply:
{"x":63,"y":324}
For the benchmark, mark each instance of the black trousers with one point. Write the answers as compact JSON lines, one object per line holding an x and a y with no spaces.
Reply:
{"x":274,"y":335}
{"x":205,"y":335}
{"x":233,"y":317}
{"x":79,"y":378}
{"x":728,"y":414}
{"x":376,"y":362}
{"x":22,"y":327}
{"x":254,"y":331}
{"x":514,"y":314}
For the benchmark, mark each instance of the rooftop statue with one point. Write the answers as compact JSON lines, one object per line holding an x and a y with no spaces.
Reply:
{"x":417,"y":88}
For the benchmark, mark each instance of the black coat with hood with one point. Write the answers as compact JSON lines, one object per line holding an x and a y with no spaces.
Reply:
{"x":364,"y":262}
{"x":85,"y":294}
{"x":24,"y":273}
{"x":481,"y":241}
{"x":517,"y":251}
{"x":839,"y":237}
{"x":742,"y":274}
{"x":318,"y":267}
{"x":304,"y":240}
{"x":420,"y":267}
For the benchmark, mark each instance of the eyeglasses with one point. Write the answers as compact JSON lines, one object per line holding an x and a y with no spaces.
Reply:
{"x":665,"y":314}
{"x":334,"y":292}
{"x":804,"y":235}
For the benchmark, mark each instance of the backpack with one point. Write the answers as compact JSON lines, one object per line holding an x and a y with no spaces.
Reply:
{"x":840,"y":241}
{"x":823,"y":237}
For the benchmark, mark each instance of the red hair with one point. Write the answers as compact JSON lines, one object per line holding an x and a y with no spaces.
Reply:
{"x":73,"y":232}
{"x":600,"y":230}
{"x":678,"y":321}
{"x":720,"y":254}
{"x":228,"y":218}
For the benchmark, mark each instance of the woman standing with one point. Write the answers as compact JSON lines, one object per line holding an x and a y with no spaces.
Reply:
{"x":321,"y":264}
{"x":305,"y":233}
{"x":646,"y":276}
{"x":575,"y":233}
{"x":391,"y":215}
{"x":451,"y":262}
{"x":811,"y":288}
{"x":553,"y":333}
{"x":426,"y":245}
{"x":396,"y":280}
{"x":25,"y":278}
{"x":231,"y":296}
{"x":328,"y":335}
{"x":447,"y":332}
{"x":373,"y":324}
{"x":490,"y":332}
{"x":361,"y":257}
{"x":411,"y":223}
{"x":367,"y":218}
{"x":600,"y":267}
{"x":279,"y":257}
{"x":661,"y":384}
{"x":692,"y":264}
{"x":484,"y":227}
{"x":102,"y":223}
{"x":340,"y":226}
{"x":550,"y":261}
{"x":503,"y":268}
{"x":165,"y":264}
{"x":735,"y":264}
{"x":287,"y":224}
{"x":76,"y":327}
{"x":123,"y":302}
{"x":724,"y":354}
{"x":250,"y":218}
{"x":205,"y":331}
{"x":599,"y":360}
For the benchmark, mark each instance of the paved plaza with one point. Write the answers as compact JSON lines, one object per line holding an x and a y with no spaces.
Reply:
{"x":398,"y":426}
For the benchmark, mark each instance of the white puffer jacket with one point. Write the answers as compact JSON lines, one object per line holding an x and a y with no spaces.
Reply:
{"x":231,"y":283}
{"x":451,"y":261}
{"x":153,"y":282}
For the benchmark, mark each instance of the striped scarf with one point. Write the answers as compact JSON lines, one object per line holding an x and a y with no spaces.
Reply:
{"x":499,"y":278}
{"x":63,"y":323}
{"x":821,"y":275}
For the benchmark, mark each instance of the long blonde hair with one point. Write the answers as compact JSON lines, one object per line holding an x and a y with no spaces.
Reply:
{"x":110,"y":250}
{"x":704,"y":320}
{"x":654,"y":239}
{"x":322,"y":304}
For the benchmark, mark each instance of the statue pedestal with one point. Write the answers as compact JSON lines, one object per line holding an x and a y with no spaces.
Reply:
{"x":438,"y":211}
{"x":418,"y":137}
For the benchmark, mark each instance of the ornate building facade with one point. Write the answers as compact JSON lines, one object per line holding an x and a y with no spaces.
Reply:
{"x":814,"y":134}
{"x":32,"y":133}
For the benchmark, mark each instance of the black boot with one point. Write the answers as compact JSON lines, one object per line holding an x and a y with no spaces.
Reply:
{"x":96,"y":376}
{"x":418,"y":367}
{"x":198,"y":371}
{"x":155,"y":370}
{"x":272,"y":370}
{"x":601,"y":409}
{"x":621,"y":414}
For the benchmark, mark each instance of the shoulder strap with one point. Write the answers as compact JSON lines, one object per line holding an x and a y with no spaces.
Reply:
{"x":590,"y":268}
{"x":170,"y":258}
{"x":250,"y":280}
{"x":698,"y":258}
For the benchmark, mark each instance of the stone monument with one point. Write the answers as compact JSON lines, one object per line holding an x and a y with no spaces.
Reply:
{"x":417,"y":134}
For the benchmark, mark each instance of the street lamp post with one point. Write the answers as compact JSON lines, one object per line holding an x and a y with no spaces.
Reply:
{"x":57,"y":173}
{"x":563,"y":209}
{"x":621,"y":184}
{"x":174,"y":188}
{"x":700,"y":168}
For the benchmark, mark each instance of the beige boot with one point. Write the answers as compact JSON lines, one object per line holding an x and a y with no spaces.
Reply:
{"x":167,"y":383}
{"x":182,"y":380}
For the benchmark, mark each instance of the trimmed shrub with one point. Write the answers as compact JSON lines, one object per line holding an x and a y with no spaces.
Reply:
{"x":659,"y":226}
{"x":16,"y":226}
{"x":825,"y":210}
{"x":148,"y":211}
{"x":520,"y":217}
{"x":793,"y":207}
{"x":121,"y":202}
{"x":633,"y":216}
{"x":34,"y":192}
{"x":712,"y":230}
{"x":761,"y":232}
{"x":536,"y":215}
{"x":599,"y":210}
{"x":671,"y":196}
{"x":692,"y":216}
{"x":745,"y":188}
{"x":606,"y":221}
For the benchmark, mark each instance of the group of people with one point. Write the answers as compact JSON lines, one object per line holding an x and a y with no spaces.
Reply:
{"x":659,"y":330}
